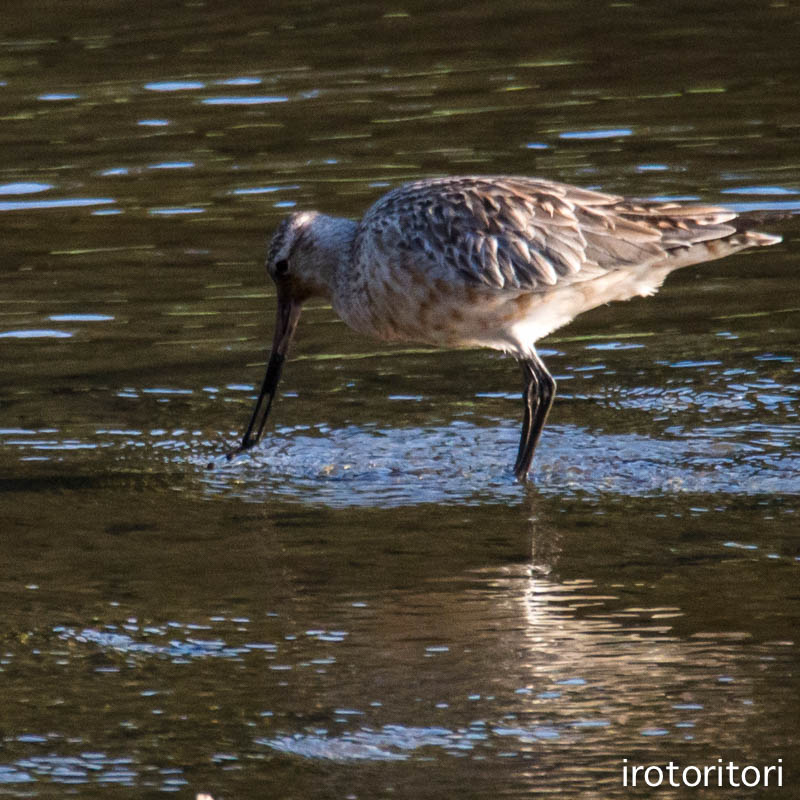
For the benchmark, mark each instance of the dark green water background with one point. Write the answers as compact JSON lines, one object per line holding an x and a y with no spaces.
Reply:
{"x":370,"y":606}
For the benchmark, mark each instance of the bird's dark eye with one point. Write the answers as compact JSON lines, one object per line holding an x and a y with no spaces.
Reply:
{"x":281,"y":267}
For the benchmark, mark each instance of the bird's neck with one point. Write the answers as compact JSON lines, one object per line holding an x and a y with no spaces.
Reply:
{"x":331,"y":250}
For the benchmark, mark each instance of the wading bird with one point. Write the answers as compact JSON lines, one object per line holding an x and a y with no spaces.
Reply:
{"x":494,"y":262}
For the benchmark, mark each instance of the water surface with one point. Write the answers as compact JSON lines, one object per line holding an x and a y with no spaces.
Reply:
{"x":368,"y":605}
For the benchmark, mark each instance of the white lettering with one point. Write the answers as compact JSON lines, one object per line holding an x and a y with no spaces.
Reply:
{"x":672,"y":768}
{"x":750,"y":784}
{"x":698,"y":776}
{"x":658,"y":772}
{"x":721,"y":775}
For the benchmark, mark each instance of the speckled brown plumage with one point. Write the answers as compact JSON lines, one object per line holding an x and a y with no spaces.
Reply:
{"x":486,"y":262}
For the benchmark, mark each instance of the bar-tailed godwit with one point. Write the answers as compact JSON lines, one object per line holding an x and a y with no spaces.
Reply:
{"x":494,"y":262}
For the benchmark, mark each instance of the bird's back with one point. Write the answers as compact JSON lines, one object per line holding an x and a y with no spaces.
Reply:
{"x":473,"y":245}
{"x":517,"y":232}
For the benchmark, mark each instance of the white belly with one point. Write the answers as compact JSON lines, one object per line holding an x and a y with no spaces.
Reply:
{"x":412,"y":306}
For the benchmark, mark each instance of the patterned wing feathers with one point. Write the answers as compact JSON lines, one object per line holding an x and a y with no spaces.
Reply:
{"x":529,"y":234}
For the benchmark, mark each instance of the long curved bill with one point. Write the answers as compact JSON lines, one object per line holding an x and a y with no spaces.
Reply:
{"x":285,"y":325}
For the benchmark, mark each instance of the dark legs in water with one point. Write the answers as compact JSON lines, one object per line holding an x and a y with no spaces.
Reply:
{"x":538,"y":394}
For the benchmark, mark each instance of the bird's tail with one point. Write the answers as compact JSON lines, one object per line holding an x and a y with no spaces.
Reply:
{"x":746,"y":221}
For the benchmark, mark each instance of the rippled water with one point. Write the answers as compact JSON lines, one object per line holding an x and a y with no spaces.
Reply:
{"x":368,"y":605}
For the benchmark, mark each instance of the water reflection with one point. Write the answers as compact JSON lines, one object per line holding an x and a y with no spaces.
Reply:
{"x":465,"y":463}
{"x":65,"y":202}
{"x":537,"y":634}
{"x":35,"y":334}
{"x":24,"y":188}
{"x":566,"y":665}
{"x":58,"y":96}
{"x":88,"y":768}
{"x":174,"y":86}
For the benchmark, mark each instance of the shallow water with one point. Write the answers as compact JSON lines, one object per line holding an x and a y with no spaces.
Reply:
{"x":368,"y":605}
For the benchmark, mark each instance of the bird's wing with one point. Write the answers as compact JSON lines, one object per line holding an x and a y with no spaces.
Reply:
{"x":523,"y":233}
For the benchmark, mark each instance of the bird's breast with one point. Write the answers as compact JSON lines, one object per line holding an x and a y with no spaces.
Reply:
{"x":414,"y":305}
{"x":411,"y":305}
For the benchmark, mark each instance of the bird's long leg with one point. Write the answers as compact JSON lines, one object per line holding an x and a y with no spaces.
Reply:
{"x":537,"y":395}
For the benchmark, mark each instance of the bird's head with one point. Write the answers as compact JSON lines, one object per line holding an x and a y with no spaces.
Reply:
{"x":305,"y":253}
{"x":303,"y":257}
